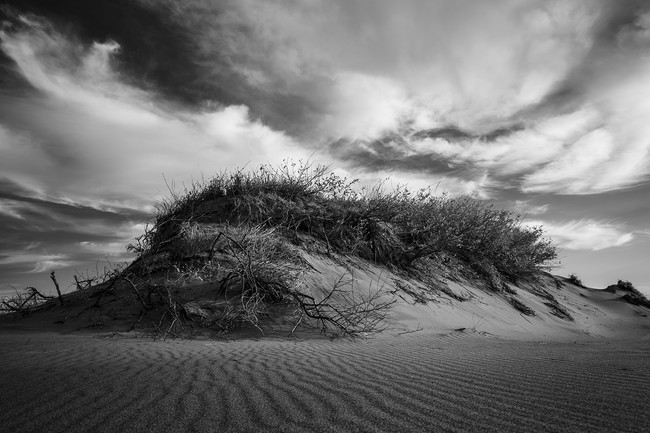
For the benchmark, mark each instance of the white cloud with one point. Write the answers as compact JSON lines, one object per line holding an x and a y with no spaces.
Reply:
{"x":423,"y":65}
{"x":462,"y":62}
{"x":585,"y":234}
{"x":601,"y":146}
{"x":402,"y":66}
{"x":578,"y":168}
{"x":365,"y":107}
{"x":98,"y":141}
{"x":548,"y":146}
{"x":115,"y":251}
{"x":10,"y":209}
{"x":39,"y":262}
{"x":523,"y":207}
{"x":614,"y":153}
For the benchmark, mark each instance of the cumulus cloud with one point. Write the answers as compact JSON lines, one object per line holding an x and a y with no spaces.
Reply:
{"x":585,"y":234}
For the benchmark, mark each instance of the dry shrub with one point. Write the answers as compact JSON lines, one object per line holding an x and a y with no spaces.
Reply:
{"x":257,"y":268}
{"x":346,"y":308}
{"x":234,"y":228}
{"x":394,"y":227}
{"x":575,"y":280}
{"x":633,"y":296}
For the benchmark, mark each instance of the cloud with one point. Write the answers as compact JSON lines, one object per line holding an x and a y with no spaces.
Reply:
{"x":38,"y":262}
{"x":117,"y":140}
{"x":613,"y":152}
{"x":40,"y":235}
{"x":397,"y":69}
{"x":585,"y":234}
{"x":279,"y":76}
{"x":364,"y":107}
{"x":524,"y":207}
{"x":442,"y":63}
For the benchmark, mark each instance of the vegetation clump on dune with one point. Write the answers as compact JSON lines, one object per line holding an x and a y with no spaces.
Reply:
{"x":396,"y":228}
{"x":574,"y":279}
{"x":244,"y":238}
{"x":632,"y":295}
{"x":243,"y":229}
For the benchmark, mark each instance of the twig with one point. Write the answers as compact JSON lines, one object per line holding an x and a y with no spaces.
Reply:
{"x":169,"y":330}
{"x":302,"y":314}
{"x":56,"y":284}
{"x":135,"y":289}
{"x":77,"y":283}
{"x":136,"y":322}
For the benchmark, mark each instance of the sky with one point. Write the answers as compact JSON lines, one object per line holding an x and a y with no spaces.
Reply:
{"x":541,"y":106}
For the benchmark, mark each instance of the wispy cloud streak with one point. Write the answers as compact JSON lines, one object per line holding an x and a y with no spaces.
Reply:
{"x":586,"y":234}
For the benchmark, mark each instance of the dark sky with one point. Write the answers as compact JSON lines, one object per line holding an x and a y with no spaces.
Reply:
{"x":541,"y":106}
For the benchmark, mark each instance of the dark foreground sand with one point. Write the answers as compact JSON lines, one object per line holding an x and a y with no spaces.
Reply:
{"x":79,"y":382}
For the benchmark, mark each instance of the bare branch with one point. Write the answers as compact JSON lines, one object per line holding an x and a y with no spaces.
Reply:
{"x":56,"y":284}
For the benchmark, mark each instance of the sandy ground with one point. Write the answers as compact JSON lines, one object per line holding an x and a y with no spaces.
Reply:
{"x":460,"y":381}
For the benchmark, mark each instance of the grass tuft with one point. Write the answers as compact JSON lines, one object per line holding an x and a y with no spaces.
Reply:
{"x":633,"y":296}
{"x":575,"y":280}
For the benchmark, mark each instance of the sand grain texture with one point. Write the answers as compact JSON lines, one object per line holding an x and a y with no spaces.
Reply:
{"x":417,"y":382}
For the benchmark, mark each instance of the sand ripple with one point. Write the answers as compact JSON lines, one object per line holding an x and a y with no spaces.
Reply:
{"x":75,"y":383}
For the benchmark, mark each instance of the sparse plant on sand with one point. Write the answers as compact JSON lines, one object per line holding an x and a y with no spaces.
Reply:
{"x":574,"y":279}
{"x":23,"y":302}
{"x":626,"y":286}
{"x":30,"y":299}
{"x":632,"y":295}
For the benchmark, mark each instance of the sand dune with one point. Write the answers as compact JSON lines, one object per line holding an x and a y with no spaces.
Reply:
{"x":415,"y":382}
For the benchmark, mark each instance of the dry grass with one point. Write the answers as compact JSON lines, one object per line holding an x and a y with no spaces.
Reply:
{"x":396,"y":227}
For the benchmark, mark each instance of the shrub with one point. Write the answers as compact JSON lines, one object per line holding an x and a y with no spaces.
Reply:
{"x":633,"y":296}
{"x":395,"y":227}
{"x":626,"y":286}
{"x":573,"y":279}
{"x":256,"y":268}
